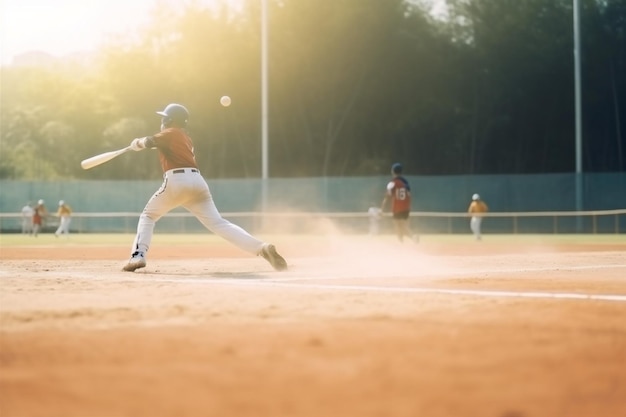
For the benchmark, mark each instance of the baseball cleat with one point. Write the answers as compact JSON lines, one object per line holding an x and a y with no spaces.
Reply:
{"x":271,"y":256}
{"x":137,"y":260}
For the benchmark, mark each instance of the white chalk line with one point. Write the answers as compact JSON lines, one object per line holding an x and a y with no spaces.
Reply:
{"x":315,"y":275}
{"x":296,"y":282}
{"x":415,"y":290}
{"x":483,"y":293}
{"x":287,"y":283}
{"x":453,"y":273}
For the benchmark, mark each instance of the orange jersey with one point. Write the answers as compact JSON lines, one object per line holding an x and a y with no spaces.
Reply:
{"x":38,"y":216}
{"x":477,"y":207}
{"x":399,"y":191}
{"x":64,"y":210}
{"x":175,"y":149}
{"x":41,"y":211}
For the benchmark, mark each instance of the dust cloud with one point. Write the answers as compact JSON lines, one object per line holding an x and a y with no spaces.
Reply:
{"x":340,"y":248}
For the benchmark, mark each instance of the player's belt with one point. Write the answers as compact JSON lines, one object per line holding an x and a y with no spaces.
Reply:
{"x":182,"y":170}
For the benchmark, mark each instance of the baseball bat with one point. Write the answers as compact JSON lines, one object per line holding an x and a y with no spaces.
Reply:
{"x":96,"y":160}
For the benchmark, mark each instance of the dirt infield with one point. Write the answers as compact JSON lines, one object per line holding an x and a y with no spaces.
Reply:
{"x":353,"y":328}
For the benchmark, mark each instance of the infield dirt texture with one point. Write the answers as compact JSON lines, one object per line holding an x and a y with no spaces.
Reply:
{"x":525,"y":326}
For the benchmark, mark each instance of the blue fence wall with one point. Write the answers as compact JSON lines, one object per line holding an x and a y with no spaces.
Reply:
{"x":503,"y":193}
{"x":546,"y":192}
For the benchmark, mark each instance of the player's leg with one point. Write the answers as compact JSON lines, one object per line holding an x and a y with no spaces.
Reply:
{"x":474,"y":226}
{"x":204,"y":209}
{"x":162,"y":201}
{"x":409,"y":231}
{"x":60,"y":228}
{"x":66,"y":225}
{"x":397,"y":227}
{"x":478,"y":223}
{"x":402,"y":225}
{"x":206,"y":212}
{"x":404,"y":228}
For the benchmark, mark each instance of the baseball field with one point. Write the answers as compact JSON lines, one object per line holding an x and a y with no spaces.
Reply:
{"x":512,"y":326}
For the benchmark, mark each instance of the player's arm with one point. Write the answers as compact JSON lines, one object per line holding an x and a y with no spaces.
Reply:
{"x":390,"y":187}
{"x":139,"y":144}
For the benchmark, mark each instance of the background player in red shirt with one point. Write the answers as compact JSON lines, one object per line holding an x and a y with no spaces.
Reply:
{"x":184,"y":186}
{"x":399,"y":192}
{"x":39,"y":217}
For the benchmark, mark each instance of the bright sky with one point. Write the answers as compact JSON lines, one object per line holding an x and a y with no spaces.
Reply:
{"x":60,"y":27}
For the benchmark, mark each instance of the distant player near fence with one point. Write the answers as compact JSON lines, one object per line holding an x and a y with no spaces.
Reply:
{"x":374,"y":213}
{"x":476,"y":210}
{"x":39,"y":217}
{"x":27,"y":219}
{"x":64,"y":213}
{"x":399,"y":193}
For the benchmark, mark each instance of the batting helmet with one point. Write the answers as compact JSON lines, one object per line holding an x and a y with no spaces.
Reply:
{"x":174,"y":113}
{"x":396,"y":168}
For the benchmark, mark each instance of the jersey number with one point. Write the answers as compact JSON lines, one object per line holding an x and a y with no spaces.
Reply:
{"x":401,"y":194}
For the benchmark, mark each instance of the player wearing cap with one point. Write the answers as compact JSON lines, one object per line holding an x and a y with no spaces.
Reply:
{"x":64,"y":213}
{"x":184,"y":186}
{"x":399,"y":193}
{"x":27,"y":219}
{"x":476,"y":210}
{"x":39,"y":217}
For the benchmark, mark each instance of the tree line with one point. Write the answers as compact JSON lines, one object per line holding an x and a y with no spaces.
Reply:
{"x":354,"y":85}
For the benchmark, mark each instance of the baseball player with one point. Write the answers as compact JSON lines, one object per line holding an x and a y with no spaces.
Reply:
{"x":38,"y":218}
{"x":183,"y":185}
{"x":375,"y":214}
{"x":65,"y":217}
{"x":27,"y":219}
{"x":476,"y":209}
{"x":399,"y":193}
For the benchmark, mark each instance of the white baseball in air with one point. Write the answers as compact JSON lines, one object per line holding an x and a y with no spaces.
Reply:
{"x":225,"y":101}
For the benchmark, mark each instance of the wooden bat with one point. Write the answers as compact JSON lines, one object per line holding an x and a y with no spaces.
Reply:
{"x":94,"y":161}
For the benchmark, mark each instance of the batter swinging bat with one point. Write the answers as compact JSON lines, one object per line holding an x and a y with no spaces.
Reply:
{"x":94,"y":161}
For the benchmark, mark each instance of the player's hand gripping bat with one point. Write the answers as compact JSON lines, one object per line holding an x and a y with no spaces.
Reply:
{"x":94,"y":161}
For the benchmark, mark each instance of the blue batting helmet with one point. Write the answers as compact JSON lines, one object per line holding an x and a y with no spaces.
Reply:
{"x":396,"y":168}
{"x":174,"y":113}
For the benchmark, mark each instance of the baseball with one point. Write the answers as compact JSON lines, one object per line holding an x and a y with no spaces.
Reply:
{"x":225,"y":101}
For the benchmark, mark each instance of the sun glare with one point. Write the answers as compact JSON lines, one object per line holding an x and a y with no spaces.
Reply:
{"x":61,"y":27}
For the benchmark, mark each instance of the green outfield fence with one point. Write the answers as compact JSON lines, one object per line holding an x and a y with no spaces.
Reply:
{"x":528,"y":203}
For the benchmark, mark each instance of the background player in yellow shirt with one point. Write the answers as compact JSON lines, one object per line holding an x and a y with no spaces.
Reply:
{"x":476,"y":209}
{"x":65,"y":217}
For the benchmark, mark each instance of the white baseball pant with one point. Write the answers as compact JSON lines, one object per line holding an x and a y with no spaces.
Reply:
{"x":185,"y":187}
{"x":475,"y":226}
{"x":64,"y":225}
